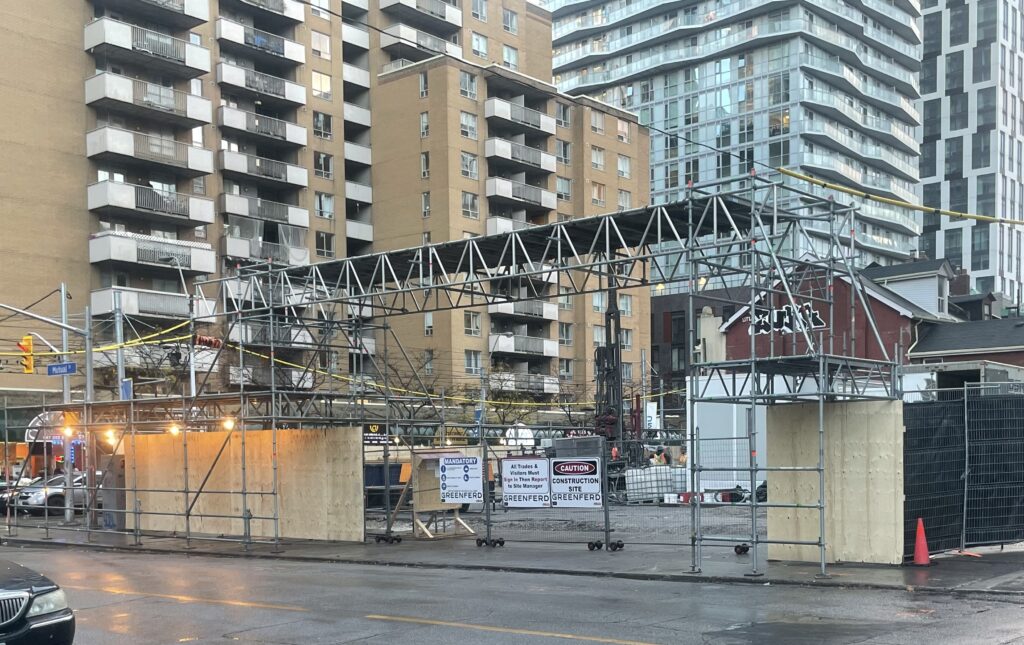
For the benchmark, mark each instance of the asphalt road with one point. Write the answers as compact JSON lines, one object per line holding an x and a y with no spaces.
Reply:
{"x":145,"y":598}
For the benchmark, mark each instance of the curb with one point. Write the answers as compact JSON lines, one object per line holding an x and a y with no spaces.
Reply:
{"x":621,"y":575}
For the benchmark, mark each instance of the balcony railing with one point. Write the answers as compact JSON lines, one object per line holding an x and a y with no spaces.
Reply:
{"x":153,"y":148}
{"x":161,"y":201}
{"x":264,"y":209}
{"x":151,"y":302}
{"x":396,"y":65}
{"x":527,"y":193}
{"x":270,"y":251}
{"x":260,"y":82}
{"x":265,"y":125}
{"x":522,"y":114}
{"x":277,"y":6}
{"x":264,"y":40}
{"x":270,"y":168}
{"x":158,"y":44}
{"x":528,"y":344}
{"x":158,"y":97}
{"x":157,"y":252}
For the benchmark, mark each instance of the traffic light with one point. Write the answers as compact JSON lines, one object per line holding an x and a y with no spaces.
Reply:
{"x":28,"y":361}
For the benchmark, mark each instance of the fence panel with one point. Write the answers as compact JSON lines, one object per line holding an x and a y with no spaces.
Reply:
{"x":995,"y":479}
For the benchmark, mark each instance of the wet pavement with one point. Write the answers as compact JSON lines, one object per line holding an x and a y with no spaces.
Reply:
{"x":124,"y":598}
{"x":995,"y":572}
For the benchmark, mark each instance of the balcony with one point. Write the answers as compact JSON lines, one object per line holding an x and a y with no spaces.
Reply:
{"x":146,"y":202}
{"x":533,"y":198}
{"x":260,"y":378}
{"x":500,"y":225}
{"x":398,"y":41}
{"x":280,"y":334}
{"x":357,"y":153}
{"x":268,"y":129}
{"x":268,"y":172}
{"x":355,"y":36}
{"x":525,"y":309}
{"x":180,"y":14}
{"x":358,"y":192}
{"x":133,"y":248}
{"x":272,"y":90}
{"x":258,"y":44}
{"x":517,"y":382}
{"x":263,"y":209}
{"x":145,"y":100}
{"x":356,"y":114}
{"x":281,"y":13}
{"x":269,"y":252}
{"x":532,"y":345}
{"x":516,"y":155}
{"x":157,"y":52}
{"x":123,"y":146}
{"x":144,"y":302}
{"x":359,"y":230}
{"x":519,"y":118}
{"x":355,"y":75}
{"x":432,"y":15}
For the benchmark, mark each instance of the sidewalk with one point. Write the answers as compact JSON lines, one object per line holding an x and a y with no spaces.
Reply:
{"x":997,"y":572}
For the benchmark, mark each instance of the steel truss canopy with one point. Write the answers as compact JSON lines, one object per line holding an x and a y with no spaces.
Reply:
{"x":637,"y":247}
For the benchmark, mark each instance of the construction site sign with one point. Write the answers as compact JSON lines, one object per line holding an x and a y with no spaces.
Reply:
{"x":525,"y":482}
{"x":576,"y":483}
{"x":461,"y":480}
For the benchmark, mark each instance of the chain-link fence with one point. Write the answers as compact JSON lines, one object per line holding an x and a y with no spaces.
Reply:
{"x":963,"y":473}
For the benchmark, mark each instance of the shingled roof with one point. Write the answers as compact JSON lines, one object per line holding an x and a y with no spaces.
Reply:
{"x":981,"y":336}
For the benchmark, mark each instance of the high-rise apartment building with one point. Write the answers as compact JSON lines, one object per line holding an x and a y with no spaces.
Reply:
{"x":972,"y":133}
{"x":156,"y":141}
{"x":826,"y":88}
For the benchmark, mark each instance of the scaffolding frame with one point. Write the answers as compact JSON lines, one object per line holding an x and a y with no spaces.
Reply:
{"x":331,"y":305}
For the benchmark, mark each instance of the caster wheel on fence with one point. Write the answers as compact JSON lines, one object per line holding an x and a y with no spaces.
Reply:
{"x":741,"y":549}
{"x":377,"y":539}
{"x":620,"y":544}
{"x":591,"y":546}
{"x":501,"y":542}
{"x":398,"y":540}
{"x":479,"y":542}
{"x":494,"y":543}
{"x":613,"y":546}
{"x":598,"y":545}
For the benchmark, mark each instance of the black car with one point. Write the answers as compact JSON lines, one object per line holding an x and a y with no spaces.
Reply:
{"x":33,"y":609}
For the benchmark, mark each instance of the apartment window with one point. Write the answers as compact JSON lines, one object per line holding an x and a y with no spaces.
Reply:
{"x":472,"y":361}
{"x":623,"y":130}
{"x":565,"y":369}
{"x":563,"y":188}
{"x":564,"y":333}
{"x":468,"y":166}
{"x":199,"y":186}
{"x":625,"y":304}
{"x":626,"y":338}
{"x":671,"y":146}
{"x":980,"y":246}
{"x":982,"y":63}
{"x":424,"y":165}
{"x":599,"y":336}
{"x":564,"y":298}
{"x":599,"y":301}
{"x":510,"y":21}
{"x":672,"y":175}
{"x":324,"y":205}
{"x":778,"y":153}
{"x":322,"y":86}
{"x":323,"y":165}
{"x":425,"y":203}
{"x":954,"y":246}
{"x":510,"y":57}
{"x":596,"y":121}
{"x":471,"y":323}
{"x":479,"y":45}
{"x":470,"y":205}
{"x":467,"y":125}
{"x":981,"y":149}
{"x":597,"y":157}
{"x":954,"y":157}
{"x":598,"y":193}
{"x":627,"y":371}
{"x":323,"y":125}
{"x":778,"y":122}
{"x":958,"y":108}
{"x":625,"y":199}
{"x":986,"y":108}
{"x":199,"y":233}
{"x":563,"y":114}
{"x":424,"y":85}
{"x":320,"y":8}
{"x":955,"y":72}
{"x":778,"y":88}
{"x":426,"y":238}
{"x":428,"y":362}
{"x":320,"y":44}
{"x":424,"y":124}
{"x":467,"y":85}
{"x":625,"y":166}
{"x":929,"y":75}
{"x":926,"y":166}
{"x":480,"y":10}
{"x":325,"y":244}
{"x":428,"y":324}
{"x":563,"y":151}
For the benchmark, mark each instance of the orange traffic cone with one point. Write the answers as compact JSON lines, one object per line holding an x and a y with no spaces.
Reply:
{"x":921,"y":557}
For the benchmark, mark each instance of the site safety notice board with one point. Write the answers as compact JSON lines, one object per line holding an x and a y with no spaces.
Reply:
{"x":536,"y":482}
